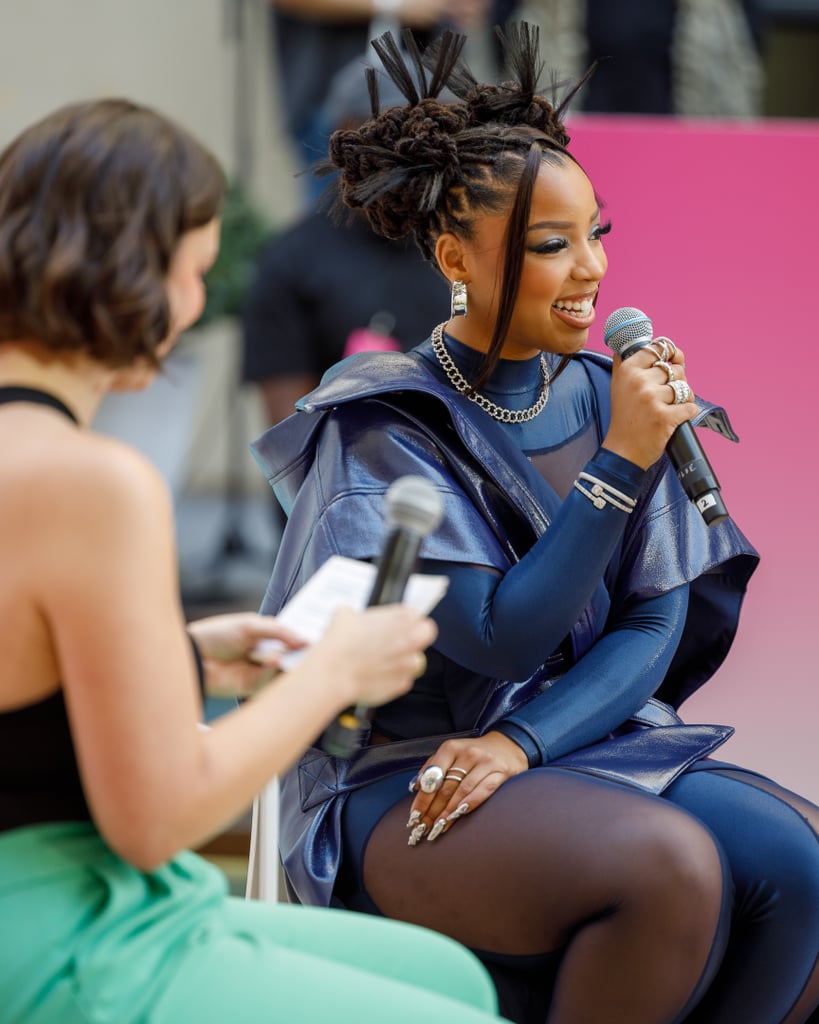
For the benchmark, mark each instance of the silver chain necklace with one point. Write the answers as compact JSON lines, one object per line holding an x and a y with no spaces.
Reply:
{"x":462,"y":385}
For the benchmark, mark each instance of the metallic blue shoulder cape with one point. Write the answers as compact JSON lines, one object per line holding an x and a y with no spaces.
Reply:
{"x":378,"y":416}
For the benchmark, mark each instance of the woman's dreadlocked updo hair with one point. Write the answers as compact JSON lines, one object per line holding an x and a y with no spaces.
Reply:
{"x":431,"y":166}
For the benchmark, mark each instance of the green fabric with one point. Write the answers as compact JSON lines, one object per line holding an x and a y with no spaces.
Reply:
{"x":88,"y":939}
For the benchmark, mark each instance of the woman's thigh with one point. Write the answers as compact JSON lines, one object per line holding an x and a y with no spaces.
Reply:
{"x":262,"y":962}
{"x":549,"y":850}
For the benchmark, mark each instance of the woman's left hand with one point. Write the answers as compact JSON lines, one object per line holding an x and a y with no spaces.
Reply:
{"x":468,"y":773}
{"x":228,"y":647}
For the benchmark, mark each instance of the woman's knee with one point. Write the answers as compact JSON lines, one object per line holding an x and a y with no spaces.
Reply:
{"x":676,"y":861}
{"x":769,"y":841}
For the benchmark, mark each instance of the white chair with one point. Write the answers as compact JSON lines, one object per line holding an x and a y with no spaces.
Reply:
{"x":263,"y":858}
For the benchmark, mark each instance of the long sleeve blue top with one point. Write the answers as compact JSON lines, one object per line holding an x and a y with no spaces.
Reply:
{"x":507,"y":625}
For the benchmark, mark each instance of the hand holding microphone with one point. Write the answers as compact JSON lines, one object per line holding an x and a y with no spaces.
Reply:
{"x":414,"y":509}
{"x":629,"y":331}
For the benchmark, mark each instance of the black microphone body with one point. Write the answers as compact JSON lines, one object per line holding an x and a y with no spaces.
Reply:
{"x":628,"y":330}
{"x":399,"y":557}
{"x":414,"y":509}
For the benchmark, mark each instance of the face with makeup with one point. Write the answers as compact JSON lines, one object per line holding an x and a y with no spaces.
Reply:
{"x":564,"y":262}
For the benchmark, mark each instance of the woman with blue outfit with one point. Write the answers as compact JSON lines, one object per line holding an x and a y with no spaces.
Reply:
{"x":109,"y":219}
{"x":535,"y":795}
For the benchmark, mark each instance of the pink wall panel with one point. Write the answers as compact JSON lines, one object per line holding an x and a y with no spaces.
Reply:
{"x":715,"y":236}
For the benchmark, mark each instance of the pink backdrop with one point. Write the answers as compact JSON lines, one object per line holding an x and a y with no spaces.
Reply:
{"x":715,"y":235}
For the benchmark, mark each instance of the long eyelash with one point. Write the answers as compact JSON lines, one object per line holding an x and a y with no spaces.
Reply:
{"x":550,"y":245}
{"x":604,"y":229}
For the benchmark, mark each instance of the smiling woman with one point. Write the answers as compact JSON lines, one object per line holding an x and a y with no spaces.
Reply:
{"x":520,"y":798}
{"x":563,"y":264}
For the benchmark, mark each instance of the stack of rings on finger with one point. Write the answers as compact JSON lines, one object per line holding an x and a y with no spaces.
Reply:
{"x":669,"y":349}
{"x":682,"y":392}
{"x":455,"y":774}
{"x":669,"y":369}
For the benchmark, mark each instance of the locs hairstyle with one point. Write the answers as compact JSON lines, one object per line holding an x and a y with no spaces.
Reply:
{"x":430,"y":167}
{"x":93,"y":201}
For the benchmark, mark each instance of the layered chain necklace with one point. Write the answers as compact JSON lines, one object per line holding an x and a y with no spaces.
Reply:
{"x":462,"y":385}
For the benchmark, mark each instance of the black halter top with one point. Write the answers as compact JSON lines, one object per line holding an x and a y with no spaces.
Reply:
{"x":39,"y":779}
{"x":18,"y":393}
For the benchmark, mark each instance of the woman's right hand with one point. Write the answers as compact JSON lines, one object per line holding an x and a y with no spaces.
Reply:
{"x":374,"y":655}
{"x":643,"y":410}
{"x":468,"y":772}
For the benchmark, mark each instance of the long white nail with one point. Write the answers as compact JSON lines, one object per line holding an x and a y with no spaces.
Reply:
{"x":459,"y":812}
{"x":437,"y":829}
{"x":417,"y":834}
{"x":414,"y":818}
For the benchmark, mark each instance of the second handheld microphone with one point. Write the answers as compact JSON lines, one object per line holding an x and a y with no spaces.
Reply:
{"x":628,"y":330}
{"x":414,"y":509}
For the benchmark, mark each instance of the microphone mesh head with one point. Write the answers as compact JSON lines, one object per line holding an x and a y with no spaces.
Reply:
{"x":413,"y":503}
{"x":626,"y":326}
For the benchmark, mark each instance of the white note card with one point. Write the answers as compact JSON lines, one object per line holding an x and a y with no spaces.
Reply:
{"x":342,"y":581}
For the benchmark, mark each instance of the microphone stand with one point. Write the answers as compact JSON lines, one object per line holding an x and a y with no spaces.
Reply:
{"x":233,"y":543}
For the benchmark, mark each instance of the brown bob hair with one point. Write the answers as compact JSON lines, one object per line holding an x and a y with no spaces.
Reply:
{"x":93,"y":201}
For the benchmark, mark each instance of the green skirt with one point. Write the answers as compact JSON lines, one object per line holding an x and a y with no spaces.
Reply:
{"x":85,"y":937}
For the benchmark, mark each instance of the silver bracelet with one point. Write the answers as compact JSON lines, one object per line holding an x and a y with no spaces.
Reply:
{"x":602,"y":494}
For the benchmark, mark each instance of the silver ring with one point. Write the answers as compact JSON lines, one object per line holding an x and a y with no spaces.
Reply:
{"x":669,"y":348}
{"x":431,"y":779}
{"x":682,"y":392}
{"x":449,"y":777}
{"x":455,"y":768}
{"x":669,"y":369}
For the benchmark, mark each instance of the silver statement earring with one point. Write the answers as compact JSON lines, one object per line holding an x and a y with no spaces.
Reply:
{"x":458,"y":307}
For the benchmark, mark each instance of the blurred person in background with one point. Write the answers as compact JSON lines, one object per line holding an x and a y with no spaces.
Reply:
{"x":314,"y":39}
{"x":326,"y":287}
{"x":688,"y":57}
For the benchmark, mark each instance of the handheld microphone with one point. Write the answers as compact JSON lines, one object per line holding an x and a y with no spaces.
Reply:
{"x":628,"y":330}
{"x":414,"y":509}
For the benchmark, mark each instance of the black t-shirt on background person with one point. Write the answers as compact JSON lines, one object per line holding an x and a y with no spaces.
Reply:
{"x":317,"y":282}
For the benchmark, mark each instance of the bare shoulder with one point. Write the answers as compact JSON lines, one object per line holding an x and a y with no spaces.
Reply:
{"x":94,"y":490}
{"x":87,"y":519}
{"x":115,"y":471}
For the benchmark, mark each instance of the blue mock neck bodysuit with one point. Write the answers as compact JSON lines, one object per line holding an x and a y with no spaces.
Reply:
{"x":509,"y":626}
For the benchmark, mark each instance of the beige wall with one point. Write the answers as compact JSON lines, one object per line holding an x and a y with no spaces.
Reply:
{"x":197,"y":61}
{"x":178,"y":55}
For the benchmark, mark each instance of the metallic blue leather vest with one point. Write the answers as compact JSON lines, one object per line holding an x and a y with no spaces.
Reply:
{"x":378,"y":416}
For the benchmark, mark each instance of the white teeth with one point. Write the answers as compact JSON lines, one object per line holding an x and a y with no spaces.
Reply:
{"x":583,"y":307}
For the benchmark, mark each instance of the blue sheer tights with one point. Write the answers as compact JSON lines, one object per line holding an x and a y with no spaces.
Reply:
{"x":592,"y":902}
